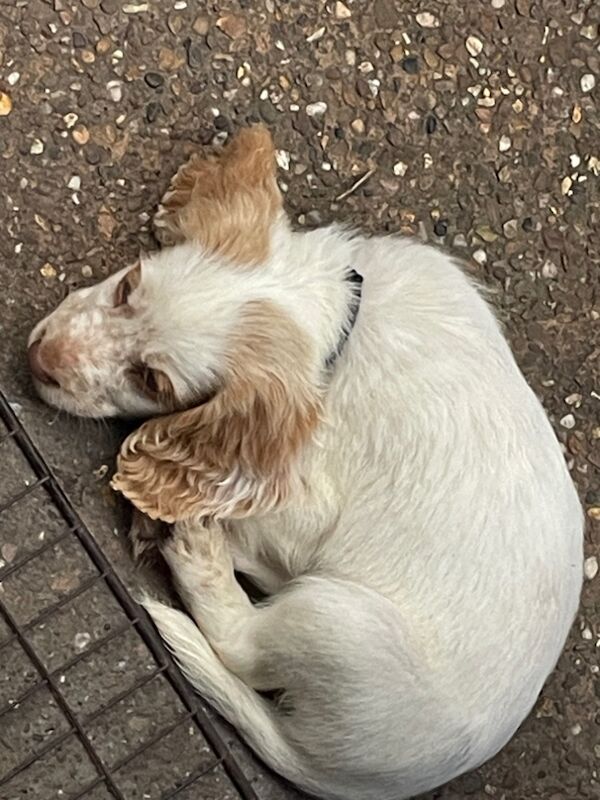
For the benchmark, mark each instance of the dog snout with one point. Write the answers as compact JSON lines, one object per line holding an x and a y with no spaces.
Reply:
{"x":39,"y":366}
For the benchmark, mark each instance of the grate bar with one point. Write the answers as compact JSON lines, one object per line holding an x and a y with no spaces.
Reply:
{"x":47,"y":612}
{"x":28,"y":489}
{"x":4,"y":573}
{"x":118,"y":631}
{"x":135,"y":613}
{"x":63,"y":705}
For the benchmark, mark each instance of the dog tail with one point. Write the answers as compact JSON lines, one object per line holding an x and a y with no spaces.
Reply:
{"x":254,"y":717}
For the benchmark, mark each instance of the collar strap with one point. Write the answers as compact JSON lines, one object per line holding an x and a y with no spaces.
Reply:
{"x":355,"y":280}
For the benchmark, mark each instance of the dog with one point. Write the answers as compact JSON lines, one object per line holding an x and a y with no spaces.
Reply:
{"x":340,"y":419}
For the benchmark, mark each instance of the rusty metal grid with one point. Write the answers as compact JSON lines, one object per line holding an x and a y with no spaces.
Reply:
{"x":95,"y":774}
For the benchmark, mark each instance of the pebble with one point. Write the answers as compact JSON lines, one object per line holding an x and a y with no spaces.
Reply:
{"x":480,"y":256}
{"x":358,"y":126}
{"x":154,"y":79}
{"x":440,"y":228}
{"x":411,"y":65}
{"x":568,"y":421}
{"x":81,"y":135}
{"x":549,"y":269}
{"x":587,"y":82}
{"x":510,"y":228}
{"x":400,"y":168}
{"x":74,"y":183}
{"x":427,"y":20}
{"x":587,"y":634}
{"x":474,"y":45}
{"x":283,"y":159}
{"x":9,"y":551}
{"x":135,"y":8}
{"x":115,"y":90}
{"x":342,"y":11}
{"x":590,"y":568}
{"x":48,"y":271}
{"x":82,"y":640}
{"x":5,"y":105}
{"x":594,"y":512}
{"x":498,"y":4}
{"x":316,"y":109}
{"x":232,"y":25}
{"x":566,"y":184}
{"x":13,"y":78}
{"x":87,"y":271}
{"x":37,"y":147}
{"x":504,"y":144}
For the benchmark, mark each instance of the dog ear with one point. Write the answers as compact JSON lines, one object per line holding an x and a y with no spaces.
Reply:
{"x":227,"y":202}
{"x":237,"y":454}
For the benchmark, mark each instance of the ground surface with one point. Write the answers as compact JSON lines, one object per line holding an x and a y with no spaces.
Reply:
{"x":477,"y":123}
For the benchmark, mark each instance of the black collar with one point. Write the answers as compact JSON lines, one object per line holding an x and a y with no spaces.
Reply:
{"x":355,"y":280}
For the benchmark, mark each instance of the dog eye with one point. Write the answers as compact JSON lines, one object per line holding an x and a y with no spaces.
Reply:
{"x":154,"y":383}
{"x":126,"y":285}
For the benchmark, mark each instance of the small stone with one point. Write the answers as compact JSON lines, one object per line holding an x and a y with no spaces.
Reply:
{"x":587,"y":82}
{"x":316,"y":109}
{"x":70,"y":119}
{"x":74,"y":183}
{"x":314,"y":37}
{"x":576,"y":729}
{"x":504,"y":144}
{"x":283,"y":159}
{"x":568,"y":421}
{"x":549,"y":270}
{"x":590,"y":568}
{"x":48,"y":271}
{"x":358,"y":126}
{"x":430,"y":124}
{"x":79,"y":40}
{"x":486,"y":233}
{"x":232,"y":25}
{"x":201,"y":26}
{"x":427,"y":20}
{"x":400,"y":168}
{"x":440,"y":228}
{"x":135,"y":8}
{"x":37,"y":147}
{"x":5,"y":105}
{"x":511,"y":228}
{"x":154,"y":79}
{"x":574,"y":399}
{"x":13,"y":78}
{"x":342,"y":11}
{"x":566,"y":184}
{"x":474,"y":45}
{"x":8,"y":551}
{"x":81,"y":135}
{"x":594,"y":512}
{"x":169,"y":60}
{"x":480,"y":256}
{"x":82,"y":640}
{"x":574,"y":160}
{"x":87,"y":271}
{"x":498,"y":4}
{"x":115,"y":90}
{"x":589,"y":32}
{"x":576,"y":114}
{"x":411,"y":65}
{"x":587,"y":634}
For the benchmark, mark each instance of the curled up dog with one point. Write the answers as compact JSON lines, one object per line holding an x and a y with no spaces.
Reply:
{"x":340,"y":419}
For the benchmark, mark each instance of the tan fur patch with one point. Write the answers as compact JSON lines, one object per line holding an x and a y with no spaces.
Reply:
{"x":235,"y":455}
{"x":228,"y":202}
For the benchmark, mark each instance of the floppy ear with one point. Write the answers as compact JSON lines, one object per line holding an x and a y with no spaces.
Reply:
{"x":237,"y":454}
{"x":228,"y":202}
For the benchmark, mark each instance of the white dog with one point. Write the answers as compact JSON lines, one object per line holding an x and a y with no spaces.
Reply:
{"x":370,"y":456}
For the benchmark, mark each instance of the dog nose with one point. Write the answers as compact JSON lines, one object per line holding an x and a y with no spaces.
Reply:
{"x":36,"y":365}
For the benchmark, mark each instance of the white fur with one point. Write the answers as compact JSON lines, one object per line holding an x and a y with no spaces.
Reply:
{"x":422,"y":590}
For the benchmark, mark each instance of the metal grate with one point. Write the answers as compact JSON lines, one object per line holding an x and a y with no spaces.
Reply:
{"x":55,"y":740}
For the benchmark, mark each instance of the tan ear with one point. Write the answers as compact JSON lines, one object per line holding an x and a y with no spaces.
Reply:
{"x":228,"y":202}
{"x":237,"y":454}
